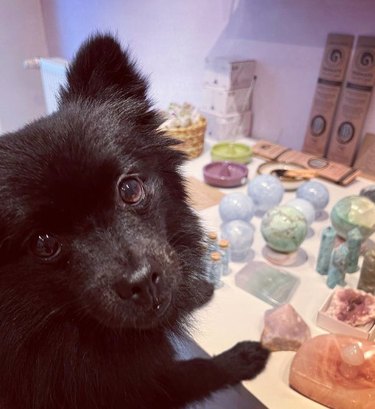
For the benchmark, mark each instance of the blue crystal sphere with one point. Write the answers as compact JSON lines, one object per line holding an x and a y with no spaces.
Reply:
{"x":315,"y":193}
{"x":236,"y":206}
{"x":284,"y":228}
{"x":266,"y":192}
{"x":241,"y":236}
{"x":305,"y":207}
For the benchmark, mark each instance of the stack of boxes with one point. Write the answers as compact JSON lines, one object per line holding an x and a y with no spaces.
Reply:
{"x":342,"y":99}
{"x":228,"y":85}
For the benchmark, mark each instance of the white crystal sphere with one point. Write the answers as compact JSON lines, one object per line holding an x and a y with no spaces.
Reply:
{"x":305,"y":207}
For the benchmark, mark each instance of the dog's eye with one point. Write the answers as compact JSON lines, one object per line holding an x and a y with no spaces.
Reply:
{"x":45,"y":246}
{"x":131,"y":190}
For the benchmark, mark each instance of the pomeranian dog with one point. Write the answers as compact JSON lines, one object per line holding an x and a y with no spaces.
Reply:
{"x":101,"y":258}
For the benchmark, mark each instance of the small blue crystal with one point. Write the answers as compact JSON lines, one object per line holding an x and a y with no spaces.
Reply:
{"x":337,"y":268}
{"x":325,"y":250}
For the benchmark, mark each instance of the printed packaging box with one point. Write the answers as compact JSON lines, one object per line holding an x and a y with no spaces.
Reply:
{"x":219,"y":101}
{"x":228,"y":126}
{"x":229,"y":73}
{"x":332,"y":171}
{"x":354,"y":103}
{"x":331,"y":76}
{"x":268,"y":150}
{"x":365,"y":159}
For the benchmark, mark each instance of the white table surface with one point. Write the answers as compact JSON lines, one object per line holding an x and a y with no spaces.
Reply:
{"x":235,"y":315}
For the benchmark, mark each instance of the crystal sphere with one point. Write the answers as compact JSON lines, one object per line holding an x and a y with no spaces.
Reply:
{"x":354,"y":211}
{"x":266,"y":192}
{"x":240,"y":236}
{"x":369,"y":192}
{"x":315,"y":193}
{"x":236,"y":206}
{"x":284,"y":228}
{"x":304,"y":207}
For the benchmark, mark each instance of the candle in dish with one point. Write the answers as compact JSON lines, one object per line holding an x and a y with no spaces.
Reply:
{"x":225,"y":174}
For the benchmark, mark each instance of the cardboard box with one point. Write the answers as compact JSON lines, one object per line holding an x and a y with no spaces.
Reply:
{"x":354,"y":103}
{"x":219,"y":101}
{"x":339,"y":327}
{"x":268,"y":150}
{"x":229,"y":73}
{"x":365,"y":159}
{"x":229,"y":126}
{"x":332,"y":171}
{"x":331,"y":76}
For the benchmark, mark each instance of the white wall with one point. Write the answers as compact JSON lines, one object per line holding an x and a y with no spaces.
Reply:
{"x":21,"y":36}
{"x":287,"y":38}
{"x":171,"y":38}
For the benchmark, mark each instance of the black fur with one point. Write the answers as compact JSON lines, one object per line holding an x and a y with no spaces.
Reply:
{"x":88,"y":325}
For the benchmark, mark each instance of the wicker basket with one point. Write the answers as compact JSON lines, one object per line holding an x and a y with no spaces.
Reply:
{"x":192,"y":138}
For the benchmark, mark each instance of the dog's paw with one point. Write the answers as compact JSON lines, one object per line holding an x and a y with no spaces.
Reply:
{"x":204,"y":291}
{"x":207,"y":289}
{"x":244,"y":361}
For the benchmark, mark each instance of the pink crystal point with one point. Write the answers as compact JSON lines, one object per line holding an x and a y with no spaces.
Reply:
{"x":284,"y":329}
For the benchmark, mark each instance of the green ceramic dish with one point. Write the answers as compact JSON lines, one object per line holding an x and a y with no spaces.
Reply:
{"x":231,"y":151}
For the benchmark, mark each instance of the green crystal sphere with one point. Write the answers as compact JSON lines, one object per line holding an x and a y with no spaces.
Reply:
{"x":353,"y":211}
{"x":284,"y":228}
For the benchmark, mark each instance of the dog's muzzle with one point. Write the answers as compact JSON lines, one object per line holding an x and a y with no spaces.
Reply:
{"x":145,"y":288}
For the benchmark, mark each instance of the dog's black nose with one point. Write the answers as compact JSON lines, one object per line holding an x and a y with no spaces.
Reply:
{"x":144,"y":292}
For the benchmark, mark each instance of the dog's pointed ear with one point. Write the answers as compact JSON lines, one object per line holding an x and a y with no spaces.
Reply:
{"x":101,"y":69}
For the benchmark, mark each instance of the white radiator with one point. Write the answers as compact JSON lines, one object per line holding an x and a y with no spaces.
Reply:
{"x":53,"y":73}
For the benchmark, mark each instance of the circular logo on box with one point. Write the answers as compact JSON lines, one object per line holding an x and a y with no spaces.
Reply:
{"x":334,"y":56}
{"x":317,"y":163}
{"x":365,"y":60}
{"x":346,"y":132}
{"x":318,"y":125}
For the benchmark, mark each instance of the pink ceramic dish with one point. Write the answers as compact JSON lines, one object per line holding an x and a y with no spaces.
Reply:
{"x":225,"y":174}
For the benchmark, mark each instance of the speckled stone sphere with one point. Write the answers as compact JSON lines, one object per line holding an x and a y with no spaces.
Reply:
{"x":266,"y":192}
{"x":354,"y":211}
{"x":315,"y":193}
{"x":284,"y":228}
{"x":236,"y":206}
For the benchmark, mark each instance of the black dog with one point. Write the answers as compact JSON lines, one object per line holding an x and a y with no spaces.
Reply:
{"x":101,"y":259}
